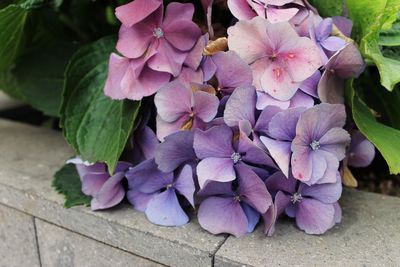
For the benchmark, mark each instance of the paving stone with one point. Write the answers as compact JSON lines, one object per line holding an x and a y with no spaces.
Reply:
{"x":31,"y":155}
{"x":17,"y":239}
{"x":369,"y":235}
{"x":7,"y":102}
{"x":63,"y":248}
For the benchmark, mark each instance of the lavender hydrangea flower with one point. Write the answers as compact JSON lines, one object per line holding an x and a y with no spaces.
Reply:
{"x":322,"y":37}
{"x":272,"y":10}
{"x":219,"y":158}
{"x":178,"y":107}
{"x":171,"y":36}
{"x":155,"y":192}
{"x":344,"y":64}
{"x":281,"y":130}
{"x":320,"y":144}
{"x":237,"y":206}
{"x":315,"y":207}
{"x":279,"y":58}
{"x":106,"y":191}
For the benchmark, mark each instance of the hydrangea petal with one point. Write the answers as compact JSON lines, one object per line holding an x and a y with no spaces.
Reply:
{"x":276,"y":15}
{"x":176,"y":149}
{"x":110,"y":194}
{"x":314,"y":217}
{"x":280,"y":152}
{"x":240,"y":106}
{"x":136,"y":11}
{"x":231,"y":217}
{"x":182,"y":34}
{"x":361,"y":151}
{"x":184,"y":184}
{"x":138,"y":199}
{"x":205,"y":106}
{"x":253,"y":217}
{"x":92,"y":182}
{"x":215,"y":169}
{"x":172,"y":108}
{"x":215,"y":142}
{"x":326,"y":193}
{"x":164,"y":209}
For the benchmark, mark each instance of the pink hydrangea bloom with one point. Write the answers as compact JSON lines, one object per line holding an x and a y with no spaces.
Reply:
{"x":280,"y":59}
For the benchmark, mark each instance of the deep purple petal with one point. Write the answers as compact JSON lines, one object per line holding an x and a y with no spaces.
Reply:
{"x":164,"y":209}
{"x":176,"y":149}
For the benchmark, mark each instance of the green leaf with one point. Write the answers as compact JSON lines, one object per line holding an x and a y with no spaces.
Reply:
{"x":391,"y":37}
{"x":38,"y":77}
{"x":370,"y":18}
{"x":96,"y":126}
{"x":12,"y":24}
{"x":386,"y":139}
{"x":67,"y":182}
{"x":328,"y":8}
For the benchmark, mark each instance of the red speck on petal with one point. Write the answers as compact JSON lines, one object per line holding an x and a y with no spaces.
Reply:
{"x":277,"y":72}
{"x":300,"y":176}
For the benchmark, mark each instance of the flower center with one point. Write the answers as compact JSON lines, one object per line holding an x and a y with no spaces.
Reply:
{"x":236,"y":157}
{"x":296,"y":198}
{"x":168,"y":186}
{"x":237,"y":198}
{"x":315,"y":145}
{"x":158,"y":32}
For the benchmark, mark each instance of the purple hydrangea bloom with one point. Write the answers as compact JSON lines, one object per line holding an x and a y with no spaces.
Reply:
{"x":322,"y":37}
{"x":320,"y":144}
{"x":344,"y":64}
{"x":106,"y":191}
{"x":181,"y":107}
{"x":272,"y":10}
{"x":155,"y":192}
{"x":315,"y":207}
{"x":281,"y":130}
{"x":219,"y":157}
{"x":237,"y":205}
{"x":279,"y":58}
{"x":170,"y":36}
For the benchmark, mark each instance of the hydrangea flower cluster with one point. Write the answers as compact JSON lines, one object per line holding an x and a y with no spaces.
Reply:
{"x":245,"y":128}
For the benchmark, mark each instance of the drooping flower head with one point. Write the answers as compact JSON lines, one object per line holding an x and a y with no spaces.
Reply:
{"x":320,"y":144}
{"x":156,"y":193}
{"x":234,"y":207}
{"x":106,"y":191}
{"x":279,"y":58}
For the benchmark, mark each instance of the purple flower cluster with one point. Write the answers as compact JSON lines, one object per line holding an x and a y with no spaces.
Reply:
{"x":241,"y":135}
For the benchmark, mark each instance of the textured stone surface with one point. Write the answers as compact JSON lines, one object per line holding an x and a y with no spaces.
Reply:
{"x":368,"y":236}
{"x":7,"y":102}
{"x":63,"y":248}
{"x":17,"y":239}
{"x":26,"y":169}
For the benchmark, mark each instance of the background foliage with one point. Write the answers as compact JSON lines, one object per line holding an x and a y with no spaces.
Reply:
{"x":54,"y":53}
